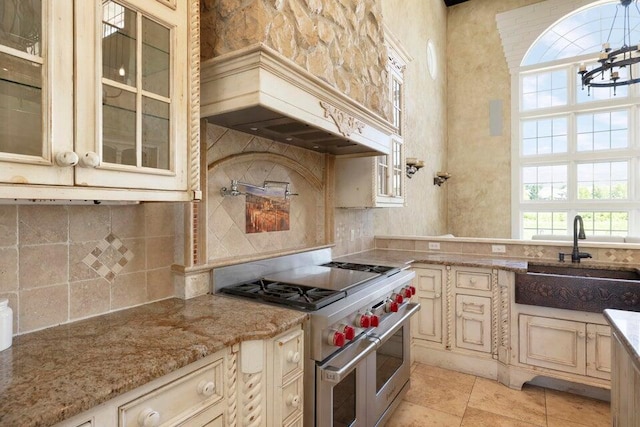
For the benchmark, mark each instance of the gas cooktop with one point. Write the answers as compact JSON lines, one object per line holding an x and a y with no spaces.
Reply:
{"x":310,"y":287}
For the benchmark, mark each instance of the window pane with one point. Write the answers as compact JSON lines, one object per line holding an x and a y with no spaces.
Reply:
{"x":155,"y":57}
{"x":544,"y":223}
{"x":119,"y":43}
{"x":20,"y":106}
{"x":119,"y":124}
{"x":606,"y":223}
{"x":155,"y":134}
{"x":544,"y":182}
{"x":543,"y":90}
{"x":603,"y":181}
{"x":603,"y":130}
{"x":21,"y":25}
{"x":544,"y":136}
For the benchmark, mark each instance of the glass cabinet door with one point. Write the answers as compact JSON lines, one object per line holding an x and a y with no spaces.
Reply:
{"x":134,"y":93}
{"x":36,"y":93}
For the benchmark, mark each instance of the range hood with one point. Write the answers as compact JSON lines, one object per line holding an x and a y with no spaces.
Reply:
{"x":258,"y":91}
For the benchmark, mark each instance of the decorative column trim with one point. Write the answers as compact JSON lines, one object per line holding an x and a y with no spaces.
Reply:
{"x":194,"y":88}
{"x":495,"y":306}
{"x":448,"y":275}
{"x":232,"y":385}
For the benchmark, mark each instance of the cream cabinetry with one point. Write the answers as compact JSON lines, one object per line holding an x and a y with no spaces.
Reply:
{"x":625,"y":386}
{"x":97,"y":100}
{"x":254,"y":383}
{"x":565,"y":345}
{"x":463,"y":321}
{"x":427,"y":324}
{"x":379,"y":181}
{"x":473,"y":323}
{"x":193,"y":395}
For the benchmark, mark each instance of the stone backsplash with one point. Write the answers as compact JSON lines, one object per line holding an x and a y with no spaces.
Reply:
{"x":338,"y":41}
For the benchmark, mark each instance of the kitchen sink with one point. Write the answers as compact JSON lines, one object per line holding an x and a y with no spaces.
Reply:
{"x":579,"y":287}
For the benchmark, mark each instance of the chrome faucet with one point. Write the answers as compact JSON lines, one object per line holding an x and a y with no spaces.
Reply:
{"x":576,"y":255}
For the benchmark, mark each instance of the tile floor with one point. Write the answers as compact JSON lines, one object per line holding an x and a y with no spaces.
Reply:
{"x":439,"y":397}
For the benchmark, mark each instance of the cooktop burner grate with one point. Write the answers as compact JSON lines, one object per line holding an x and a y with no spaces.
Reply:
{"x":380,"y":269}
{"x":292,"y":295}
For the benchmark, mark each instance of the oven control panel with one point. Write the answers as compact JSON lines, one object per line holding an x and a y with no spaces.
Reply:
{"x":368,"y":317}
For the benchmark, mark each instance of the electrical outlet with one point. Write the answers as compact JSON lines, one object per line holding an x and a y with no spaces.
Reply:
{"x":498,"y":249}
{"x":435,"y":246}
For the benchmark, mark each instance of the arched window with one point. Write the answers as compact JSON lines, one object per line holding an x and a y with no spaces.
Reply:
{"x":577,"y":152}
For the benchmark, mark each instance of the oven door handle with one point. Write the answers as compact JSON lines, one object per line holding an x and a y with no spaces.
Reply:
{"x":335,"y":374}
{"x":409,"y":310}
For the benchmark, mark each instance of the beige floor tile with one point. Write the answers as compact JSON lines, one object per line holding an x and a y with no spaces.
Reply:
{"x":526,"y":405}
{"x":478,"y":418}
{"x":577,"y":409}
{"x":440,"y":389}
{"x":410,"y":415}
{"x":556,"y":422}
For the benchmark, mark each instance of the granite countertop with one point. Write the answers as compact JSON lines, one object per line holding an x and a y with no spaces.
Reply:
{"x":626,"y":325}
{"x":399,"y":257}
{"x":50,"y":375}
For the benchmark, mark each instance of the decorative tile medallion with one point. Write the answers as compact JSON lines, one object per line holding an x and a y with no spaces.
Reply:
{"x":109,"y":257}
{"x":619,"y":255}
{"x":533,"y":251}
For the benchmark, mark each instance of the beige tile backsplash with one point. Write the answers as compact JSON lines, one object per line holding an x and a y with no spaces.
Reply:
{"x":60,"y":263}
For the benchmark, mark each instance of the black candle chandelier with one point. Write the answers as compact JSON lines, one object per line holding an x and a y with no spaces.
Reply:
{"x":609,"y":73}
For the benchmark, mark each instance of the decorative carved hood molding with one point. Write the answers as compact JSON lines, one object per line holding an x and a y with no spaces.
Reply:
{"x":258,"y":91}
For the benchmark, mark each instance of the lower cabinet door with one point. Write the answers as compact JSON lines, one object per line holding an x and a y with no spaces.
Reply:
{"x":428,"y":283}
{"x":598,"y":351}
{"x":473,"y":323}
{"x":553,"y":343}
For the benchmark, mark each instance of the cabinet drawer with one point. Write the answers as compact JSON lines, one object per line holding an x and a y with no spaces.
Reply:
{"x":289,"y":355}
{"x":291,"y":401}
{"x":473,"y":280}
{"x":180,"y":399}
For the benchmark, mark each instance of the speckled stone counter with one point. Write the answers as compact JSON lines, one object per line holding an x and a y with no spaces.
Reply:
{"x":626,"y":325}
{"x":53,"y":374}
{"x":399,"y":257}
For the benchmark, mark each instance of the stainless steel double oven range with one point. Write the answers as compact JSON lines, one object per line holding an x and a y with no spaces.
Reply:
{"x":357,"y":337}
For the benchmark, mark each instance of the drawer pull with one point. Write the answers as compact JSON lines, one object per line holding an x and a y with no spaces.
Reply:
{"x":473,"y":280}
{"x":206,"y":388}
{"x":293,"y":400}
{"x":293,"y":356}
{"x":149,"y":418}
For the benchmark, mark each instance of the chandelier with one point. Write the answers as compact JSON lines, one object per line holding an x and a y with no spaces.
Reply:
{"x":609,"y":72}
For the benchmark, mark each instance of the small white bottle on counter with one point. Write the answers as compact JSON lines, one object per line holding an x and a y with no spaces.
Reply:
{"x":6,"y":324}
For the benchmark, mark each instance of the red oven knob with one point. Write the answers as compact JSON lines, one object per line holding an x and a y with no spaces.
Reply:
{"x":413,"y":290}
{"x":362,"y":321}
{"x":375,"y":321}
{"x":336,"y":338}
{"x":348,"y":331}
{"x":397,"y":298}
{"x":406,"y":292}
{"x":391,"y":306}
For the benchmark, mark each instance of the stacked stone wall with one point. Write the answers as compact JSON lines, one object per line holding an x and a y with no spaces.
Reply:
{"x":338,"y":41}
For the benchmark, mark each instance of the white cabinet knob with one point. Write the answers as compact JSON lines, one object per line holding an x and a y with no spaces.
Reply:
{"x":581,"y":334}
{"x":293,"y":400}
{"x":149,"y":418}
{"x":436,"y":296}
{"x":66,"y":158}
{"x":293,"y":356}
{"x":472,"y":280}
{"x":591,"y":336}
{"x":90,"y":160}
{"x":206,"y":388}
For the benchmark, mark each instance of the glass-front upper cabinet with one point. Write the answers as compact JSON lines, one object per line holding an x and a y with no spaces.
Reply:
{"x":36,"y":90}
{"x":132,"y":83}
{"x":94,"y":94}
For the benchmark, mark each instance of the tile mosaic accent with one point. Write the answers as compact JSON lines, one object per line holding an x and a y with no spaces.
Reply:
{"x":619,"y":255}
{"x":109,"y":257}
{"x":534,"y":251}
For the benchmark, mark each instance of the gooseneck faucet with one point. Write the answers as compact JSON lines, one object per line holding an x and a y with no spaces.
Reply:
{"x":576,"y":255}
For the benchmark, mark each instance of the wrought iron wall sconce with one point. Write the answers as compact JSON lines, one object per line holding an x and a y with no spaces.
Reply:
{"x":441,"y":178}
{"x":413,"y":166}
{"x":235,"y":184}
